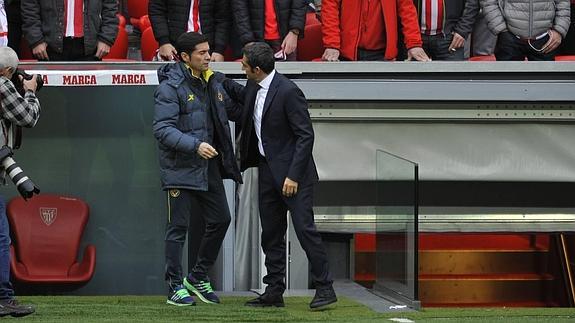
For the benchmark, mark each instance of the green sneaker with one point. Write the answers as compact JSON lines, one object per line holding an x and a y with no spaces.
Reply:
{"x":202,"y":289}
{"x":180,"y":297}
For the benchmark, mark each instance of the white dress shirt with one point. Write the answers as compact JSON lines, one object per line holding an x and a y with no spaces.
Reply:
{"x":259,"y":107}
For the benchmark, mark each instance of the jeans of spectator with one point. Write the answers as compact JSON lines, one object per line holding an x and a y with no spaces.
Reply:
{"x":511,"y":48}
{"x":14,"y":25}
{"x":73,"y":50}
{"x":6,"y":291}
{"x":568,"y":43}
{"x":437,"y":48}
{"x":370,"y":55}
{"x":276,"y":45}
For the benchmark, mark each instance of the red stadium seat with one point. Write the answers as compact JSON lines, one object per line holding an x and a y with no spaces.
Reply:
{"x":311,"y":19}
{"x":310,"y":47}
{"x":47,"y":231}
{"x":121,"y":20}
{"x":149,"y":45}
{"x":144,"y":22}
{"x":137,"y":9}
{"x":120,"y":48}
{"x":483,"y":58}
{"x":565,"y":58}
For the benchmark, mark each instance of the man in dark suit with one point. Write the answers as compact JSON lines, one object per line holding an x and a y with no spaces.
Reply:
{"x":277,"y":137}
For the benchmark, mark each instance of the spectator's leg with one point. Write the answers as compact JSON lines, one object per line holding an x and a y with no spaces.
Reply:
{"x":509,"y":48}
{"x":568,"y":43}
{"x":276,"y":45}
{"x":442,"y":52}
{"x":14,"y":25}
{"x":370,"y":55}
{"x":428,"y":46}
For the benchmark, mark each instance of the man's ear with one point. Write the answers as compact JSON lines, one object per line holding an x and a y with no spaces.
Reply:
{"x":6,"y":71}
{"x":185,"y":57}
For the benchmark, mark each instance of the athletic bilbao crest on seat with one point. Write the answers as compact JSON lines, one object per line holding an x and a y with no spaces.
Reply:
{"x":48,"y":214}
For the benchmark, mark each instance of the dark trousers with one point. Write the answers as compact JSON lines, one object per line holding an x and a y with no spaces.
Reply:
{"x":14,"y":25}
{"x":437,"y":47}
{"x":568,"y":44}
{"x":184,"y":205}
{"x":273,"y":207}
{"x":511,"y":48}
{"x":73,"y":50}
{"x":370,"y":55}
{"x":276,"y":45}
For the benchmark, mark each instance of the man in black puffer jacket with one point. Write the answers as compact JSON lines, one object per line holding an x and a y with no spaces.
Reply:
{"x":196,"y":153}
{"x":171,"y":18}
{"x":277,"y":22}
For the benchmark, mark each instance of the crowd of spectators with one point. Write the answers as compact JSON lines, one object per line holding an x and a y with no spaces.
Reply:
{"x":374,"y":30}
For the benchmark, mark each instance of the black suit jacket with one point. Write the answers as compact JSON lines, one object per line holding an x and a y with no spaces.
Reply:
{"x":287,"y":132}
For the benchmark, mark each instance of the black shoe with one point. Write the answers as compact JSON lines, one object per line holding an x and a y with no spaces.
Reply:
{"x":13,"y":308}
{"x":266,"y":300}
{"x":323,"y":297}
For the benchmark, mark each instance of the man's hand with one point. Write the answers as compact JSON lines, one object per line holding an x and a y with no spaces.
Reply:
{"x":456,"y":42}
{"x":167,"y":52}
{"x":553,"y":42}
{"x":217,"y":57}
{"x":290,"y":188}
{"x":206,"y":151}
{"x":290,"y":43}
{"x":31,"y":84}
{"x":40,"y":52}
{"x":102,"y":50}
{"x":330,"y":55}
{"x":418,"y":54}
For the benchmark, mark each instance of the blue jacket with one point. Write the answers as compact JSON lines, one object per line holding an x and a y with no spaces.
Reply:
{"x":180,"y":126}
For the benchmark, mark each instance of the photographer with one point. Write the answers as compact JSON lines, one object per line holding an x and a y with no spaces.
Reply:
{"x":16,"y":110}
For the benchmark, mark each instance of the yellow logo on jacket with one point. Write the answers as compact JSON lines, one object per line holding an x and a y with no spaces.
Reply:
{"x":191,"y":97}
{"x":174,"y":193}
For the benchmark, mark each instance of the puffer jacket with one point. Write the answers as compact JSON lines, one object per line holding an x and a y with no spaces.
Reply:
{"x":527,"y":18}
{"x":180,"y":114}
{"x":250,"y":21}
{"x":43,"y":21}
{"x":169,"y":20}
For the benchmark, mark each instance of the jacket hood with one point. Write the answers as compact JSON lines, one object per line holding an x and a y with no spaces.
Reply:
{"x":175,"y":73}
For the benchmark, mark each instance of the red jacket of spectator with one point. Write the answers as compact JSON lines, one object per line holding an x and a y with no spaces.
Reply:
{"x":341,"y":23}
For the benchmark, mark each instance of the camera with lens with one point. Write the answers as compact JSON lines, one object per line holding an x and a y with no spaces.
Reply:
{"x":25,"y":186}
{"x":19,"y":85}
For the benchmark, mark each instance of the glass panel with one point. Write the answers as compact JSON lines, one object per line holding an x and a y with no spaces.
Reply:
{"x":396,"y":228}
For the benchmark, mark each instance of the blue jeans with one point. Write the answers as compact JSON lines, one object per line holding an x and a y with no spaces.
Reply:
{"x":6,"y":291}
{"x":437,"y":47}
{"x":511,"y":48}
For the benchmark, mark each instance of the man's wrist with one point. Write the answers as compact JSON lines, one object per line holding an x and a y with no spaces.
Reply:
{"x":295,"y":31}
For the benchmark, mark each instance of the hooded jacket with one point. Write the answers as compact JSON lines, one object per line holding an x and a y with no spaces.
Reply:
{"x":182,"y":103}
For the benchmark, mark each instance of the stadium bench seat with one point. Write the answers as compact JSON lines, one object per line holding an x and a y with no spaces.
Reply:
{"x":47,"y":231}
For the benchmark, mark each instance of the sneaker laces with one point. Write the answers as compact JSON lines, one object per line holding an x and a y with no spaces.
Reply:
{"x":204,"y":286}
{"x":181,"y":293}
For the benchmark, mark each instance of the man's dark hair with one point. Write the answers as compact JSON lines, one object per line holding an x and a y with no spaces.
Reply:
{"x":260,"y":55}
{"x":187,"y":42}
